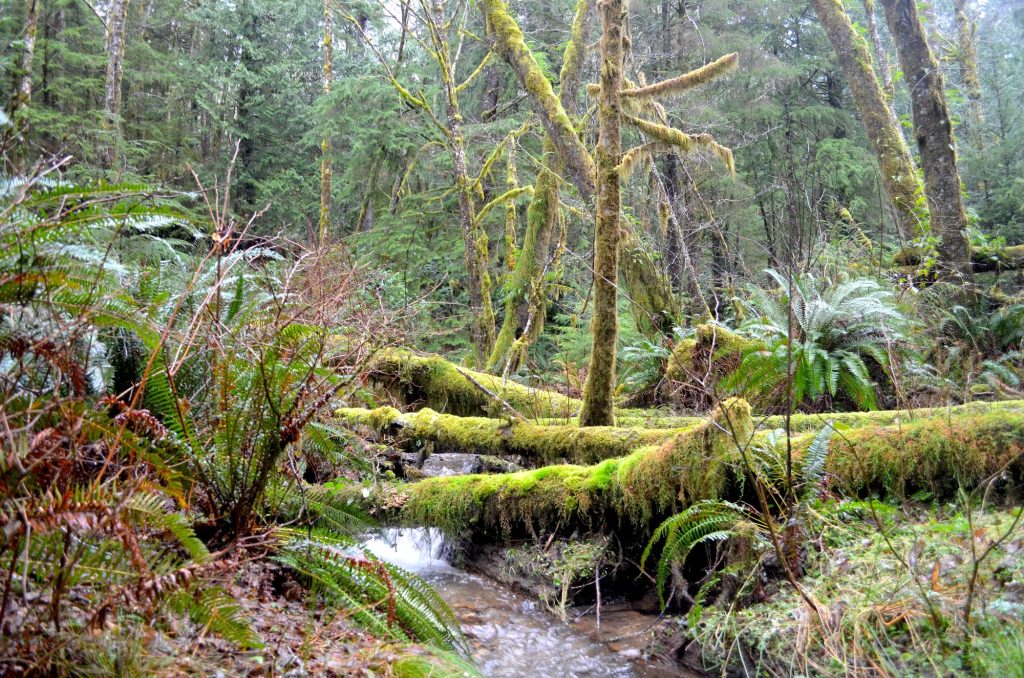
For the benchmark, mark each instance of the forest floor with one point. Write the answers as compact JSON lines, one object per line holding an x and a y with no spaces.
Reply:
{"x":300,"y":637}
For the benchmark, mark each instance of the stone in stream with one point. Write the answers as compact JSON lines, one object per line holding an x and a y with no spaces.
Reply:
{"x":451,"y":464}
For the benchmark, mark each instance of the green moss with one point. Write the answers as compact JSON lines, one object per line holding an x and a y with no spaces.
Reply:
{"x":698,"y":364}
{"x":537,"y":443}
{"x":630,"y":490}
{"x":514,"y":50}
{"x":938,"y":454}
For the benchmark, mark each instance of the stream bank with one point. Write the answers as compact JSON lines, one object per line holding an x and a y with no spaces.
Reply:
{"x":513,"y":635}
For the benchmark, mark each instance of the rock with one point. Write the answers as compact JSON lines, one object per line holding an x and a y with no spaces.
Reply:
{"x":451,"y":464}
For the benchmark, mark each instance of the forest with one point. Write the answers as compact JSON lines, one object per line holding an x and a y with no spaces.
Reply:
{"x":512,"y":338}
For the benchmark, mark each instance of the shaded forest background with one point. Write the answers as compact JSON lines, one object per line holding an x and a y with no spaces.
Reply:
{"x":202,"y":80}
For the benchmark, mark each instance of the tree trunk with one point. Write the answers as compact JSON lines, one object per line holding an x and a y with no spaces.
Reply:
{"x":325,"y":144}
{"x":525,"y":301}
{"x":598,"y":391}
{"x":116,"y":19}
{"x":881,"y":58}
{"x":897,"y":167}
{"x":933,"y":130}
{"x":23,"y":94}
{"x":474,"y":237}
{"x":967,"y":55}
{"x":512,"y":47}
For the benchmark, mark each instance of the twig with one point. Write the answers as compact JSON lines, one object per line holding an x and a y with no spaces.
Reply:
{"x":491,"y":394}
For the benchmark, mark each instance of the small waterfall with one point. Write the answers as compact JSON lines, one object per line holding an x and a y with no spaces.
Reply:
{"x":421,"y":550}
{"x":511,"y":636}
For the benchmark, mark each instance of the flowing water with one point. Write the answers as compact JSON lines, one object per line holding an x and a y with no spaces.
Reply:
{"x":511,"y":636}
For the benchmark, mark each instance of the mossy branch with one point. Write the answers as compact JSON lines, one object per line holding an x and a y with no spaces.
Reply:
{"x":505,"y":197}
{"x":637,"y":156}
{"x":477,"y":71}
{"x":686,"y":81}
{"x":685,"y":142}
{"x":512,"y":47}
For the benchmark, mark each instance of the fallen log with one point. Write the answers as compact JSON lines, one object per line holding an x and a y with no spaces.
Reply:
{"x":549,"y":443}
{"x":635,"y":488}
{"x":540,"y":444}
{"x":629,"y":494}
{"x":803,"y":422}
{"x":431,"y":381}
{"x":983,"y":259}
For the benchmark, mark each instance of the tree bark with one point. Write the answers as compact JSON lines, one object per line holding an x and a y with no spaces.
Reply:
{"x":598,"y":391}
{"x":898,"y":174}
{"x":116,"y":18}
{"x":933,"y":130}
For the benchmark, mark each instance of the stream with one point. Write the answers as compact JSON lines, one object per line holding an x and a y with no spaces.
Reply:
{"x":510,"y":635}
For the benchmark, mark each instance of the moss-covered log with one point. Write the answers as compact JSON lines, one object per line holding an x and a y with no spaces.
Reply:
{"x":537,"y":443}
{"x":630,"y":490}
{"x":938,"y":455}
{"x":803,"y":423}
{"x":983,"y":259}
{"x":556,"y":441}
{"x":434,"y":382}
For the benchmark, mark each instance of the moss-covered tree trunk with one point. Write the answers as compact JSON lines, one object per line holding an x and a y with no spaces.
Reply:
{"x":23,"y":92}
{"x":512,"y":47}
{"x":598,"y":391}
{"x":525,"y":299}
{"x":933,"y":129}
{"x":325,"y":143}
{"x":967,"y":57}
{"x":117,"y":16}
{"x":881,"y":57}
{"x":897,"y":167}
